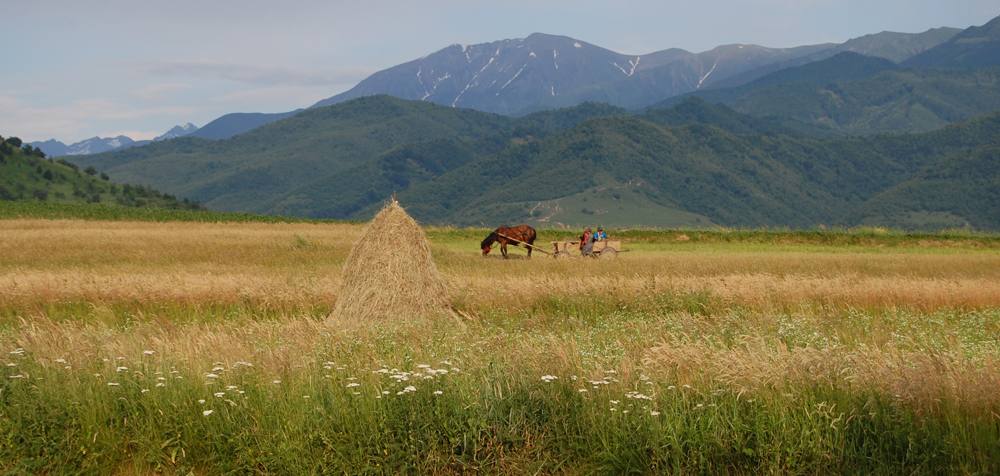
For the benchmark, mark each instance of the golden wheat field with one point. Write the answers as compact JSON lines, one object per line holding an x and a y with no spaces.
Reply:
{"x":916,"y":322}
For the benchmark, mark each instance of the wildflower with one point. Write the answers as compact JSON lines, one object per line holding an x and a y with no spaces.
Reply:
{"x":145,"y":390}
{"x":411,"y":388}
{"x":148,"y":352}
{"x":201,"y":401}
{"x":615,"y":402}
{"x":654,"y":413}
{"x":423,"y":366}
{"x":231,"y":387}
{"x":219,"y":394}
{"x":160,"y":384}
{"x":207,"y":412}
{"x":353,"y":384}
{"x":211,"y":376}
{"x":582,"y":390}
{"x":305,"y":396}
{"x":113,"y":384}
{"x":276,"y":381}
{"x":549,"y":378}
{"x":438,"y":392}
{"x":12,"y":364}
{"x":231,"y":403}
{"x":119,"y":369}
{"x":61,"y":361}
{"x":15,"y":376}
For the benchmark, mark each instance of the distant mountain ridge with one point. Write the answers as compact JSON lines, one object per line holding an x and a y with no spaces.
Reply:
{"x":974,"y":47}
{"x":510,"y":76}
{"x":520,"y":76}
{"x":96,"y":145}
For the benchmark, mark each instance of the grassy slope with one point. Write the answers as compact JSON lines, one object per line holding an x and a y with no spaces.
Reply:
{"x":26,"y":177}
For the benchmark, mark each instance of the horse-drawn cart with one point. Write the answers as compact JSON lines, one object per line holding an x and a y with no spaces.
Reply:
{"x":602,"y":249}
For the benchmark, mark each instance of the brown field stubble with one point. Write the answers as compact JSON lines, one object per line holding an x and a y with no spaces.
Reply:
{"x":295,"y":269}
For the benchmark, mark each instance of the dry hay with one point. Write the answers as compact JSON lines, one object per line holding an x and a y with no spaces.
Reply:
{"x":390,"y":273}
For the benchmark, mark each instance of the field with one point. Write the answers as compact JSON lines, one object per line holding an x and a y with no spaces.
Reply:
{"x":189,"y":347}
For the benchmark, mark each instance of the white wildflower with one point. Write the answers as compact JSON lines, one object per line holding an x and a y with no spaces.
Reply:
{"x":207,"y":412}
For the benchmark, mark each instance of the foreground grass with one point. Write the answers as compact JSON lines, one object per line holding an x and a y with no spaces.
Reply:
{"x":143,"y":348}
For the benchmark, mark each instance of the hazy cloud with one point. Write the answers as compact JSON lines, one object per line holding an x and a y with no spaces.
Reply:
{"x":253,"y":74}
{"x":160,"y":92}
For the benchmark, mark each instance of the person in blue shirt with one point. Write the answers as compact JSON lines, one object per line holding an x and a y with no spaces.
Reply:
{"x":600,"y":235}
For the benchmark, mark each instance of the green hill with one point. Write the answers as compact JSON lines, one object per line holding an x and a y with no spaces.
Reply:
{"x":960,"y":191}
{"x":243,"y":172}
{"x":696,"y":164}
{"x":27,"y":175}
{"x":605,"y":165}
{"x":912,"y":100}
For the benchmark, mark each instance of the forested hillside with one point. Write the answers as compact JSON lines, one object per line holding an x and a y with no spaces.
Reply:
{"x":731,"y":179}
{"x":26,"y":174}
{"x":695,"y":164}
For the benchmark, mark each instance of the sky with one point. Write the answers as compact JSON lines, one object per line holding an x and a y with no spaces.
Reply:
{"x":76,"y":69}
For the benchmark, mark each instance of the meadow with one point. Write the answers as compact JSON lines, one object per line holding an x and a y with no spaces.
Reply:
{"x":147,"y":346}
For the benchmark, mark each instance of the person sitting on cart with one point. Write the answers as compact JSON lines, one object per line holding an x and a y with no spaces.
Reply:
{"x":600,"y":235}
{"x":587,"y":243}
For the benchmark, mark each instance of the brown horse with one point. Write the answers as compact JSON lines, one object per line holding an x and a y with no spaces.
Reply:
{"x":506,"y":234}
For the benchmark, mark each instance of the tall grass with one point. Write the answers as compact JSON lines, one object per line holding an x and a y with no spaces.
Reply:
{"x":201,"y":348}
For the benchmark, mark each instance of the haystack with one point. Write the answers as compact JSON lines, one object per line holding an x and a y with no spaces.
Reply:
{"x":390,"y":273}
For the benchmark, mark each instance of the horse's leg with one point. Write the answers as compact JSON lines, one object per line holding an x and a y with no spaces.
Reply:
{"x":503,"y":249}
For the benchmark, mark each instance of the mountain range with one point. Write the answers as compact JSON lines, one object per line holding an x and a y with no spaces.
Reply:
{"x":801,"y":137}
{"x":519,"y":76}
{"x":96,"y":145}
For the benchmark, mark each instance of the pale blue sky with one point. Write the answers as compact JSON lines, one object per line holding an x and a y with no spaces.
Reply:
{"x":75,"y":69}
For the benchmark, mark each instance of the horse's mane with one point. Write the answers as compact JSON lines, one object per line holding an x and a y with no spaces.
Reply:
{"x":489,"y":240}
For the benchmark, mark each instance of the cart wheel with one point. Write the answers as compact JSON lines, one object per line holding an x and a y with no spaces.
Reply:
{"x":561,"y":254}
{"x":609,"y":253}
